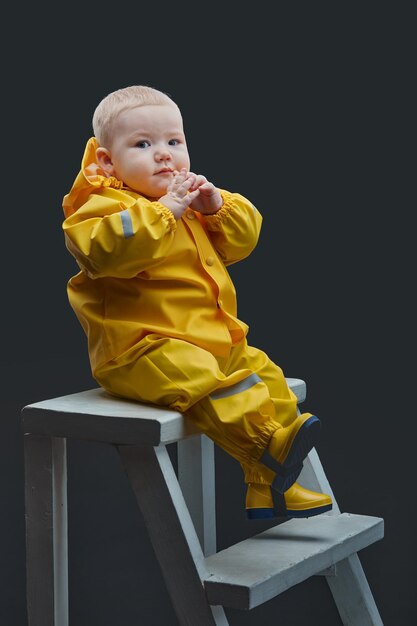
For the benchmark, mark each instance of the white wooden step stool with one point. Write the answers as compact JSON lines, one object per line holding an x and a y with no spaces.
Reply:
{"x":180,"y":517}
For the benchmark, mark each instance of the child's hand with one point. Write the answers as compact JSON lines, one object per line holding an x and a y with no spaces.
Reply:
{"x":209,"y":200}
{"x":180,"y":194}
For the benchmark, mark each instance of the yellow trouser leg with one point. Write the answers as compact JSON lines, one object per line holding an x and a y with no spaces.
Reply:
{"x":238,"y":402}
{"x":283,"y":399}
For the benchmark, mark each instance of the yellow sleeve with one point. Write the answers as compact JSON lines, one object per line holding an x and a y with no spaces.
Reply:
{"x":234,"y":229}
{"x":115,"y":234}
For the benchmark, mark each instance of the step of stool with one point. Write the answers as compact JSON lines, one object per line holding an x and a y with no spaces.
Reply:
{"x":255,"y":570}
{"x":96,"y":415}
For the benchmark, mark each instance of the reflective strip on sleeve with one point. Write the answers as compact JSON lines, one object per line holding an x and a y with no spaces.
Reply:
{"x":242,"y":385}
{"x":126,"y":223}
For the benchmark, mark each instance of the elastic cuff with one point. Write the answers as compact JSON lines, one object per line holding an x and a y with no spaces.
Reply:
{"x":257,"y":474}
{"x":213,"y":221}
{"x":167,"y":215}
{"x":263,"y":439}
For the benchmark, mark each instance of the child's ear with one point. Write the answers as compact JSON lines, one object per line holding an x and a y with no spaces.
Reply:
{"x":104,"y":160}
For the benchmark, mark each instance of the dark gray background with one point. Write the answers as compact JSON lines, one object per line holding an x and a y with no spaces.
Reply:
{"x":308,"y":115}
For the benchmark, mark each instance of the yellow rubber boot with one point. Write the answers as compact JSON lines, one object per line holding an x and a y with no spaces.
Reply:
{"x":259,"y":502}
{"x":299,"y":502}
{"x":288,"y":448}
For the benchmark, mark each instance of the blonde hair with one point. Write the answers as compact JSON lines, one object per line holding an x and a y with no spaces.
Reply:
{"x":127,"y":98}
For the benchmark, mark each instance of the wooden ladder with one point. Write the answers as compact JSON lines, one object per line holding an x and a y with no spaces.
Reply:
{"x":179,"y":513}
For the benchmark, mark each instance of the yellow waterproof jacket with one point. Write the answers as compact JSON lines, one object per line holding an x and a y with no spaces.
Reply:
{"x":143,"y":272}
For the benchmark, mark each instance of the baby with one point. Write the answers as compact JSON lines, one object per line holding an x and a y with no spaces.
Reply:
{"x":153,"y":240}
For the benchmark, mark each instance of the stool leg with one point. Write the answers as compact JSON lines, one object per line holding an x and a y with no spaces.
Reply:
{"x":171,"y":532}
{"x":352,"y":594}
{"x":348,"y":584}
{"x":196,"y":475}
{"x":46,"y":530}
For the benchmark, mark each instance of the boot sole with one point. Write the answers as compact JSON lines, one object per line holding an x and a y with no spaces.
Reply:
{"x":304,"y":440}
{"x":267,"y":513}
{"x":288,"y":471}
{"x":260,"y":514}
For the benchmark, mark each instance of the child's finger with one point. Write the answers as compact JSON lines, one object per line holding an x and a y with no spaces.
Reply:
{"x":180,"y":175}
{"x":199,"y":180}
{"x":187,"y":183}
{"x":181,"y":187}
{"x":193,"y":194}
{"x":207,"y":187}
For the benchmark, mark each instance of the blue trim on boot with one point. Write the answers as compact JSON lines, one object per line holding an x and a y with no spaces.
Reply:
{"x":303,"y":442}
{"x":288,"y":472}
{"x":283,"y":483}
{"x":260,"y":513}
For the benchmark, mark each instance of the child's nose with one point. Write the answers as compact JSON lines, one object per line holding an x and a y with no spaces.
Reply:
{"x":162,"y":154}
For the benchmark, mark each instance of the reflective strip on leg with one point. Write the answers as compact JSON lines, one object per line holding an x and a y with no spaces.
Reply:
{"x":242,"y":385}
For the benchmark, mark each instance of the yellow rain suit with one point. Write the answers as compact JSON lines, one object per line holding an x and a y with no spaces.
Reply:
{"x":159,"y":309}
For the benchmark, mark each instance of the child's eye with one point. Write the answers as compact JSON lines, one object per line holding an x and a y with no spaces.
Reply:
{"x":143,"y":144}
{"x":173,"y":142}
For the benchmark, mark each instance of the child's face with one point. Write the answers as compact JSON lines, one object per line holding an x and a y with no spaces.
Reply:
{"x":148,"y":144}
